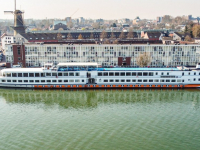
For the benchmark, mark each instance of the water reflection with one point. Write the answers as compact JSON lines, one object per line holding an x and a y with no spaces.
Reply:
{"x":91,"y":99}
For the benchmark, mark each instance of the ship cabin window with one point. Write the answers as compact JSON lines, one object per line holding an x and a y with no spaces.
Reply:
{"x":14,"y":74}
{"x":117,"y":80}
{"x":167,"y":73}
{"x":105,"y":74}
{"x":54,"y":81}
{"x":116,"y":73}
{"x":139,"y":73}
{"x":36,"y":75}
{"x":133,"y":73}
{"x":122,"y":73}
{"x":3,"y":80}
{"x":25,"y":81}
{"x":48,"y":81}
{"x":48,"y":74}
{"x":167,"y":80}
{"x":105,"y":80}
{"x":54,"y":74}
{"x":162,"y":80}
{"x":156,"y":80}
{"x":25,"y":74}
{"x":111,"y":73}
{"x":59,"y":74}
{"x":82,"y":80}
{"x":19,"y":74}
{"x":128,"y":74}
{"x":59,"y":80}
{"x":128,"y":80}
{"x":77,"y":80}
{"x":145,"y":73}
{"x":77,"y":74}
{"x":183,"y":80}
{"x":31,"y":74}
{"x":71,"y":80}
{"x":71,"y":74}
{"x":162,"y":73}
{"x":37,"y":81}
{"x":173,"y":80}
{"x":42,"y":74}
{"x":156,"y":73}
{"x":133,"y":80}
{"x":194,"y":73}
{"x":150,"y":80}
{"x":42,"y":81}
{"x":179,"y":80}
{"x":111,"y":80}
{"x":122,"y":80}
{"x":199,"y":73}
{"x":99,"y":73}
{"x":182,"y":73}
{"x":14,"y":80}
{"x":188,"y":73}
{"x":8,"y":80}
{"x":144,"y":80}
{"x":4,"y":74}
{"x":194,"y":79}
{"x":20,"y":81}
{"x":139,"y":80}
{"x":31,"y":81}
{"x":199,"y":79}
{"x":150,"y":73}
{"x":65,"y":74}
{"x":65,"y":80}
{"x":8,"y":74}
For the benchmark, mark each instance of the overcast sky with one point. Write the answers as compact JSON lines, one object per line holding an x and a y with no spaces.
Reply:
{"x":106,"y":9}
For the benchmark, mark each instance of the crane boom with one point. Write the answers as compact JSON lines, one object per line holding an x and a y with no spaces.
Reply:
{"x":75,"y":12}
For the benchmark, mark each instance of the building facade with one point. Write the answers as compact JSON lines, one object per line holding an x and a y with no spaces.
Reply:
{"x":105,"y":55}
{"x":7,"y":39}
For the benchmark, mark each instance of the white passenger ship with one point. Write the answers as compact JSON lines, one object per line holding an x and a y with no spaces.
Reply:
{"x":88,"y":75}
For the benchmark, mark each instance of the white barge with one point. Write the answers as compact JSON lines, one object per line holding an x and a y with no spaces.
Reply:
{"x":89,"y":76}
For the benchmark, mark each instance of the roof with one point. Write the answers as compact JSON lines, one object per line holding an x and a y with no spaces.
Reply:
{"x":78,"y":64}
{"x":140,"y":69}
{"x":167,"y":38}
{"x":60,"y":21}
{"x":21,"y":70}
{"x":154,"y":34}
{"x":181,"y":34}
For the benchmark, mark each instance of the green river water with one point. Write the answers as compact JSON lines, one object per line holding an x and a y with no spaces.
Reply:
{"x":99,"y":119}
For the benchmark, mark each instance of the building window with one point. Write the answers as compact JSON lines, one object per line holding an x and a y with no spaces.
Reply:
{"x":19,"y":58}
{"x":18,"y":51}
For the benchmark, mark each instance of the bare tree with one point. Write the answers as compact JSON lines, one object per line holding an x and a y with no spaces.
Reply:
{"x":107,"y":41}
{"x":144,"y":59}
{"x":80,"y":37}
{"x":196,"y":30}
{"x":112,"y":36}
{"x":96,"y":25}
{"x":188,"y":38}
{"x":91,"y":36}
{"x":69,"y":36}
{"x":70,"y":24}
{"x":116,"y":42}
{"x":59,"y":36}
{"x":130,"y":34}
{"x":122,"y":35}
{"x":103,"y":35}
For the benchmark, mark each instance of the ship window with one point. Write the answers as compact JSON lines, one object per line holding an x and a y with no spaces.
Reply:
{"x":31,"y":81}
{"x":128,"y":80}
{"x":77,"y":73}
{"x":31,"y":74}
{"x":182,"y":73}
{"x":8,"y":80}
{"x":116,"y":73}
{"x":25,"y":81}
{"x":139,"y":80}
{"x":156,"y":73}
{"x":111,"y":80}
{"x":144,"y":80}
{"x":133,"y":80}
{"x":59,"y":80}
{"x":133,"y":73}
{"x":122,"y":73}
{"x":156,"y":80}
{"x":167,"y":73}
{"x":183,"y":80}
{"x":194,"y":79}
{"x":82,"y":80}
{"x":162,"y":73}
{"x":65,"y":80}
{"x":77,"y":80}
{"x":173,"y":80}
{"x":105,"y":81}
{"x":14,"y":81}
{"x":71,"y":74}
{"x":36,"y":75}
{"x":19,"y":74}
{"x":48,"y":74}
{"x":8,"y":74}
{"x":150,"y":80}
{"x":199,"y":73}
{"x":122,"y":80}
{"x":54,"y":80}
{"x":178,"y":80}
{"x":59,"y":74}
{"x":14,"y":75}
{"x":139,"y":73}
{"x":128,"y":74}
{"x":37,"y":81}
{"x":188,"y":73}
{"x":116,"y":80}
{"x":48,"y":81}
{"x":150,"y":73}
{"x":162,"y":80}
{"x":99,"y":73}
{"x":65,"y":74}
{"x":19,"y":80}
{"x":42,"y":81}
{"x":4,"y":74}
{"x":25,"y":74}
{"x":71,"y":80}
{"x":167,"y":80}
{"x":54,"y":74}
{"x":111,"y":73}
{"x":42,"y":74}
{"x":199,"y":79}
{"x":145,"y":73}
{"x":105,"y":74}
{"x":194,"y":73}
{"x":3,"y":80}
